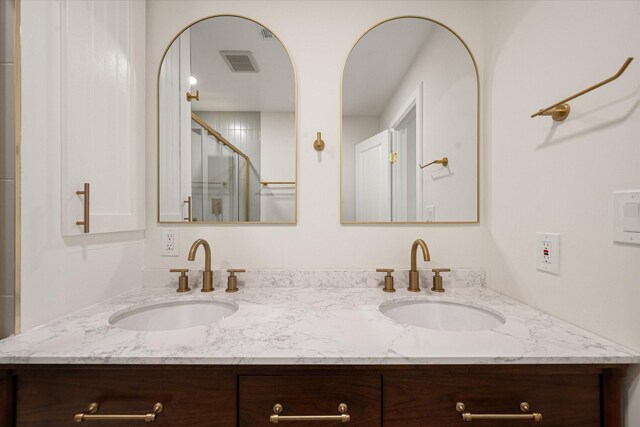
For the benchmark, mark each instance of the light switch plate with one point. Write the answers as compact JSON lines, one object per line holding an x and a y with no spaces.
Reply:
{"x":626,"y":217}
{"x":548,"y":252}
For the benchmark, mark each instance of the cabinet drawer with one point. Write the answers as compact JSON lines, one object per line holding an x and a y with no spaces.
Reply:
{"x":51,"y":399}
{"x":563,"y":400}
{"x":310,"y":395}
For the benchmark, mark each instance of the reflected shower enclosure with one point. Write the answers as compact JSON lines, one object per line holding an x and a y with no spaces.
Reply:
{"x":226,"y":126}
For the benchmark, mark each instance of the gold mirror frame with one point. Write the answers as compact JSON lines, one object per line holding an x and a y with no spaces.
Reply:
{"x":475,"y":66}
{"x":295,"y":130}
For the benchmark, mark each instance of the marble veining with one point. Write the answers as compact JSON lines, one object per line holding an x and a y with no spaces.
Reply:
{"x":303,"y":325}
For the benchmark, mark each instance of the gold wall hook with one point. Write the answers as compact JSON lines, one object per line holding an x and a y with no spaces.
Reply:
{"x":560,"y":110}
{"x":318,"y":144}
{"x":444,"y":162}
{"x":191,"y":97}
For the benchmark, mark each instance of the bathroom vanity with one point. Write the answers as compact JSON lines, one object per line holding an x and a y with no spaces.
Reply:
{"x":298,"y":351}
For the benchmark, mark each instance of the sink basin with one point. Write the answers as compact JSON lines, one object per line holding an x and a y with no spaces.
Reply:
{"x":442,"y":315}
{"x":168,"y":316}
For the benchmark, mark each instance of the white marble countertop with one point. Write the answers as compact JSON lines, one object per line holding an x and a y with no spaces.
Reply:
{"x":311,"y":326}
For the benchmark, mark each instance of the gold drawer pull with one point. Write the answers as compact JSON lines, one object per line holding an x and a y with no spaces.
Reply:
{"x":277,"y":410}
{"x":524,"y":407}
{"x":91,"y":415}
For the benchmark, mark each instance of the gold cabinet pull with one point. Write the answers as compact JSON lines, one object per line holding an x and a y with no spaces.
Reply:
{"x":91,"y":415}
{"x":277,"y":410}
{"x":85,"y":221}
{"x":524,"y":407}
{"x":189,"y":217}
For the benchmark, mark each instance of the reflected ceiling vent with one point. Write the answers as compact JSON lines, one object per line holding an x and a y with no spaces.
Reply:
{"x":265,"y":34}
{"x":240,"y":61}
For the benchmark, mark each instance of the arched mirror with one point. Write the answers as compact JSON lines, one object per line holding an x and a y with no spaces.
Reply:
{"x":409,"y":148}
{"x":226,"y":125}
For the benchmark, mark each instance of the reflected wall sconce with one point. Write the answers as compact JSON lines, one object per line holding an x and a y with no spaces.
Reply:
{"x":318,"y":144}
{"x":191,"y":97}
{"x":444,"y":162}
{"x":560,"y":110}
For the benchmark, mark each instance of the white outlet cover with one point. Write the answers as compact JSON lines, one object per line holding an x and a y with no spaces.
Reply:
{"x":550,"y":263}
{"x":165,"y":239}
{"x":625,"y":221}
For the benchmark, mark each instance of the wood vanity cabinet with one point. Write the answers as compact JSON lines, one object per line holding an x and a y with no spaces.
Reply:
{"x":245,"y":396}
{"x":190,"y":397}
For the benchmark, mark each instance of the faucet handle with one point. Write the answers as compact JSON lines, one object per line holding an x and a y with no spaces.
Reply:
{"x":183,"y":280}
{"x":232,"y":280}
{"x":388,"y":279}
{"x":437,"y":279}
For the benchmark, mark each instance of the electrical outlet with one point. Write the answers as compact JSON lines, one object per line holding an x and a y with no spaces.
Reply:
{"x":169,"y":243}
{"x":548,"y":252}
{"x":429,"y":213}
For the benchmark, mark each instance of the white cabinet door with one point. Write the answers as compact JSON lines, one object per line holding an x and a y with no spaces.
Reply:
{"x":102,"y":88}
{"x":175,"y":131}
{"x":373,"y":180}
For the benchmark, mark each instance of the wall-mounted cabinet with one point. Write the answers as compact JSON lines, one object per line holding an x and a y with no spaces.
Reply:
{"x":102,"y":114}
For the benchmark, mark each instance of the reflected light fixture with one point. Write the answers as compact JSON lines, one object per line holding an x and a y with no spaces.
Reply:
{"x":193,"y":80}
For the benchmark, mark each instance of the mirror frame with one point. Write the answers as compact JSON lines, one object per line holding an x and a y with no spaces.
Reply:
{"x":475,"y":66}
{"x":295,"y":130}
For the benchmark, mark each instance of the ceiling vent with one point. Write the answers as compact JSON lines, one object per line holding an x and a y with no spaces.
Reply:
{"x":240,"y":61}
{"x":265,"y":34}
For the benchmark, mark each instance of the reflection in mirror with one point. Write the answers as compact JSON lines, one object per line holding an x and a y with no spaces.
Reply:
{"x":409,"y":126}
{"x":226,"y":125}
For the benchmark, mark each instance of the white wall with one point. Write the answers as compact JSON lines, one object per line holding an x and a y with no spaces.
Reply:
{"x":277,"y":163}
{"x":59,"y":275}
{"x":545,"y":176}
{"x":354,"y":129}
{"x":318,"y":61}
{"x":449,"y":111}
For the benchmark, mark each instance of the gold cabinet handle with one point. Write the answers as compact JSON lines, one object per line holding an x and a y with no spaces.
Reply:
{"x":85,"y":220}
{"x":189,"y":217}
{"x":277,"y":410}
{"x":524,"y":407}
{"x":91,"y":415}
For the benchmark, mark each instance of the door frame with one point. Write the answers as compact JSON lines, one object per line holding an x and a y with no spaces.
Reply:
{"x":414,"y":100}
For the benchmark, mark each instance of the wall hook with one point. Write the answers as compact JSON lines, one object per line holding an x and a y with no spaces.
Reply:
{"x":318,"y":144}
{"x":196,"y":96}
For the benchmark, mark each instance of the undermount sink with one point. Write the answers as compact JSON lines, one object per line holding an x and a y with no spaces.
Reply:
{"x":442,"y":315}
{"x":169,"y":316}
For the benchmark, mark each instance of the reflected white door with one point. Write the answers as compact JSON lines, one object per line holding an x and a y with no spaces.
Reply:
{"x":373,"y":180}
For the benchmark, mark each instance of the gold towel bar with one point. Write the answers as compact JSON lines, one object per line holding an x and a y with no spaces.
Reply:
{"x":267,"y":183}
{"x":444,"y":162}
{"x":277,"y":410}
{"x":91,"y":415}
{"x":524,"y":407}
{"x":560,"y":110}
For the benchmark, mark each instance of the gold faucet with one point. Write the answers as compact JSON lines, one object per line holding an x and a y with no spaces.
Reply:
{"x":207,"y":274}
{"x":414,"y":281}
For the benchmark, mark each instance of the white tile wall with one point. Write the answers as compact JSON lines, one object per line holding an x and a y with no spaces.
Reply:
{"x":7,"y":233}
{"x":6,"y":316}
{"x":6,"y":121}
{"x":7,"y":168}
{"x":6,"y":24}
